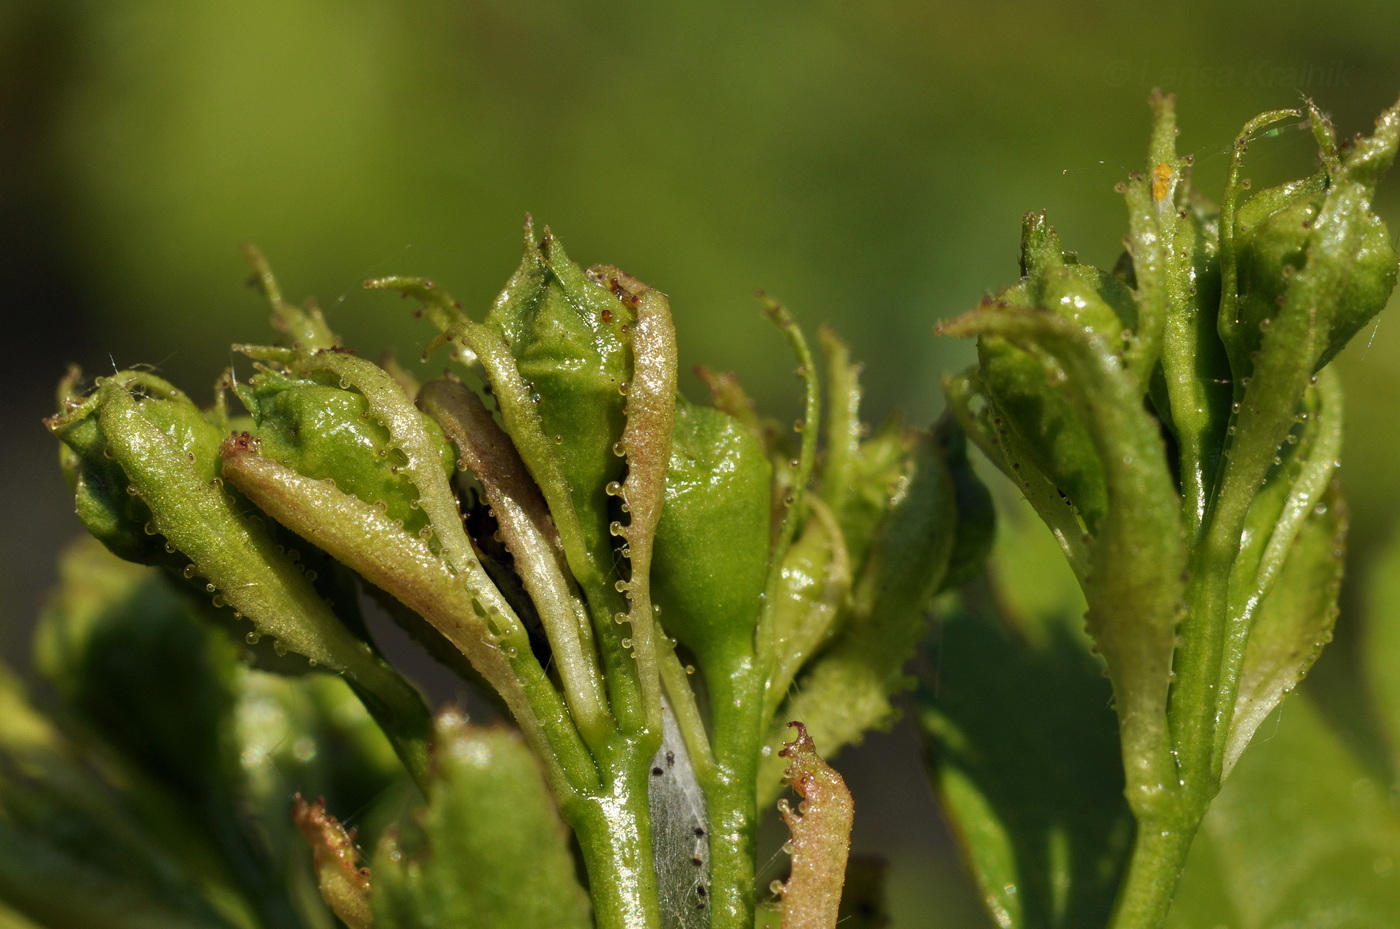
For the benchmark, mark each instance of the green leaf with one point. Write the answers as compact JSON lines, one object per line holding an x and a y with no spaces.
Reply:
{"x":812,"y":595}
{"x":1035,"y":415}
{"x":1294,"y":621}
{"x":1338,"y":268}
{"x":116,"y":642}
{"x":556,"y":349}
{"x":1286,"y":578}
{"x":582,"y":367}
{"x":473,"y":615}
{"x":1023,"y":746}
{"x":327,"y":432}
{"x":1301,"y":835}
{"x":847,"y":689}
{"x":976,"y":417}
{"x":1193,"y":393}
{"x":219,"y":748}
{"x":711,"y":559}
{"x":80,"y":848}
{"x":108,"y":499}
{"x":1160,"y":262}
{"x":488,"y":851}
{"x":1038,"y":427}
{"x":1054,"y":280}
{"x":570,"y":340}
{"x":1272,"y":229}
{"x":1314,"y":249}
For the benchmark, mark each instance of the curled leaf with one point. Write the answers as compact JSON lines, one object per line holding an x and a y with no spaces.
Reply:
{"x":329,"y":432}
{"x":646,"y":442}
{"x":1294,"y":621}
{"x":1313,"y":247}
{"x":109,"y":502}
{"x":1138,"y":555}
{"x":136,"y":426}
{"x":345,"y":886}
{"x":848,"y":687}
{"x":466,"y":608}
{"x":821,"y":837}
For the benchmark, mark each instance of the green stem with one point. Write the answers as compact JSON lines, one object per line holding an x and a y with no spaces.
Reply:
{"x":1159,"y":855}
{"x":1201,"y":704}
{"x":731,"y":796}
{"x":1202,"y":697}
{"x":1195,"y":707}
{"x":614,"y":833}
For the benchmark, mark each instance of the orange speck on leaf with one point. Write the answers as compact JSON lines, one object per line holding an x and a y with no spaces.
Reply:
{"x":1161,"y":182}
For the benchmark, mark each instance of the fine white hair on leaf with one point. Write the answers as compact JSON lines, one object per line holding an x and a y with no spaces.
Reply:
{"x":680,"y":832}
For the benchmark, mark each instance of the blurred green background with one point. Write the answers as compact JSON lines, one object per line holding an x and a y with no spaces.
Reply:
{"x":867,"y":163}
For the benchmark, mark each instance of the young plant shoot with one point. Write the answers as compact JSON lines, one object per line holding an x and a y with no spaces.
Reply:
{"x":651,"y":590}
{"x":1175,"y":424}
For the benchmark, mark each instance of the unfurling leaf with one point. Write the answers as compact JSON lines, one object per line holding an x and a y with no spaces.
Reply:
{"x":1287,"y":577}
{"x":821,"y":837}
{"x":1315,"y":250}
{"x":849,"y":686}
{"x":345,"y":886}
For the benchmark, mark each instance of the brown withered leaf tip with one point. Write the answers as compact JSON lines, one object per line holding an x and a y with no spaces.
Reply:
{"x":821,"y":837}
